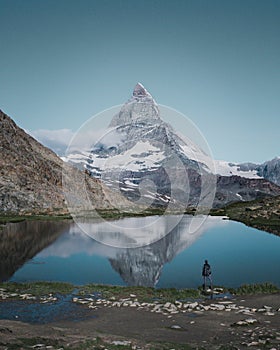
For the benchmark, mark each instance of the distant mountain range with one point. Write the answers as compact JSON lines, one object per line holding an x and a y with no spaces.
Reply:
{"x":31,"y":177}
{"x":269,"y":170}
{"x":150,"y":164}
{"x":175,"y":170}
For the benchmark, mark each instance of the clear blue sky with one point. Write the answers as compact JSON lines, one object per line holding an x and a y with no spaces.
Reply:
{"x":218,"y":62}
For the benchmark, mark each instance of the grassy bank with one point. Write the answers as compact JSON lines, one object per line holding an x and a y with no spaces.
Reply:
{"x":102,"y":213}
{"x":4,"y":219}
{"x":98,"y":213}
{"x":144,"y":294}
{"x":263,"y":214}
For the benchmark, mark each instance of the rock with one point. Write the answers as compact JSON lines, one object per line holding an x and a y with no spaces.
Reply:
{"x":176,"y":326}
{"x":167,"y":305}
{"x":192,"y":305}
{"x":31,"y":177}
{"x":121,"y":342}
{"x":251,"y":320}
{"x":218,"y":307}
{"x":253,"y":343}
{"x":179,"y":304}
{"x":225,"y":302}
{"x":268,"y":313}
{"x":205,"y":307}
{"x":246,"y":322}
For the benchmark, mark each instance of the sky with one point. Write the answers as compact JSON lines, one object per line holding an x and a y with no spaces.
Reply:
{"x":217,"y":62}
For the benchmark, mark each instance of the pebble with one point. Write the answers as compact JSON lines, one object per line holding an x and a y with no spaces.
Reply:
{"x":268,"y":313}
{"x":121,"y":342}
{"x":175,"y":326}
{"x":169,"y":309}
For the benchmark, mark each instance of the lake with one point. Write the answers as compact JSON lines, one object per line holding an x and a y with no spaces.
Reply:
{"x":170,"y":254}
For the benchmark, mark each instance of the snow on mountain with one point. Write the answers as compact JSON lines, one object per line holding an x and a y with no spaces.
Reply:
{"x":150,"y":163}
{"x":229,"y":169}
{"x":269,"y":170}
{"x":142,"y":156}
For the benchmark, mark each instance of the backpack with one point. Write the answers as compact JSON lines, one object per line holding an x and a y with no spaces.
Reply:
{"x":206,"y":270}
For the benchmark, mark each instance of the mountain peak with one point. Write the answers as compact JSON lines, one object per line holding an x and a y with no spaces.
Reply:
{"x":140,"y":91}
{"x":140,"y":107}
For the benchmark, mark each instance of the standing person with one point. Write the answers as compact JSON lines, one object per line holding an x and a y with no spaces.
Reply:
{"x":206,"y":273}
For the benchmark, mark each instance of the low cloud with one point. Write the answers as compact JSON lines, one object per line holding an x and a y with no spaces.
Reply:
{"x":64,"y":141}
{"x":57,"y":140}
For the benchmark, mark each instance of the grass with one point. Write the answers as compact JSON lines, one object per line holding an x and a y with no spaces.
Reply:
{"x":4,"y":219}
{"x":262,"y":213}
{"x":254,"y":289}
{"x":28,"y":343}
{"x":94,"y":343}
{"x":143,"y":294}
{"x":104,"y":213}
{"x":38,"y":288}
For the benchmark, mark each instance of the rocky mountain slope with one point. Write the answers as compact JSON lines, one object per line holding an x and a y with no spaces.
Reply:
{"x":31,"y":177}
{"x":231,"y":189}
{"x":270,"y":170}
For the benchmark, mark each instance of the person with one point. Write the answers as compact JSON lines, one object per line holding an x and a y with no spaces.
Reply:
{"x":206,"y":273}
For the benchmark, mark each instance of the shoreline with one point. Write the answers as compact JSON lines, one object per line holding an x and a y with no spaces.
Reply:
{"x":262,"y":214}
{"x":125,"y":321}
{"x":258,"y":222}
{"x":41,"y":288}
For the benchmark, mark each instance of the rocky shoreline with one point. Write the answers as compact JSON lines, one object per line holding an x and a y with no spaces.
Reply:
{"x":218,"y":321}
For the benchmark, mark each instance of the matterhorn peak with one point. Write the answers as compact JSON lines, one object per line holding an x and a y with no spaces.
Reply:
{"x":141,"y":107}
{"x":140,"y":91}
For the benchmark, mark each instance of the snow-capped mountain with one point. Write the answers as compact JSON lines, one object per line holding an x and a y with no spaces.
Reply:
{"x":225,"y":168}
{"x":144,"y":158}
{"x":269,"y":170}
{"x":150,"y":164}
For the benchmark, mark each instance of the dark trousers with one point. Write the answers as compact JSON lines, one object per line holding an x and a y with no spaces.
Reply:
{"x":205,"y":278}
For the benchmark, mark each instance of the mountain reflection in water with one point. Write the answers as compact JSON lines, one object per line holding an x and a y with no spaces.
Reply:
{"x":20,"y":242}
{"x":140,"y":266}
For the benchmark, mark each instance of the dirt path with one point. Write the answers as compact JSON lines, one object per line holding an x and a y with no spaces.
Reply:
{"x":129,"y":328}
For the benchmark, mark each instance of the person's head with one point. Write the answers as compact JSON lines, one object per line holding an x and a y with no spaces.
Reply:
{"x":206,"y":261}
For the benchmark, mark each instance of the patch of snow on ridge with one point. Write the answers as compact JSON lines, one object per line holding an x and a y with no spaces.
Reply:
{"x":229,"y":169}
{"x":140,"y":157}
{"x":195,"y":154}
{"x":79,"y":159}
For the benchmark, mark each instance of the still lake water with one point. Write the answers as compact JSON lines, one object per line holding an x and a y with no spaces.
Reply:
{"x":60,"y":251}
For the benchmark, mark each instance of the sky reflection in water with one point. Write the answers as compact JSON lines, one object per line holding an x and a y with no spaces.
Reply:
{"x":238,"y":255}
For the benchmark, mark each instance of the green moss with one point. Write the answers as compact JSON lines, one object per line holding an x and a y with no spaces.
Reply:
{"x":14,"y":219}
{"x":253,"y":289}
{"x":263,"y":213}
{"x":143,"y":294}
{"x":38,"y":288}
{"x":95,"y":343}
